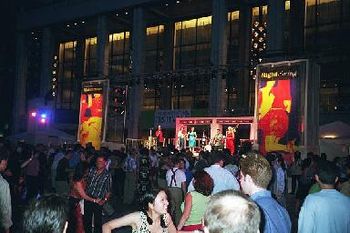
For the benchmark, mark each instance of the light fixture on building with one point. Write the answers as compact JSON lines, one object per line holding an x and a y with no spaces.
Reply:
{"x":75,"y":24}
{"x":83,"y":22}
{"x":177,"y":2}
{"x":68,"y":25}
{"x":126,"y":13}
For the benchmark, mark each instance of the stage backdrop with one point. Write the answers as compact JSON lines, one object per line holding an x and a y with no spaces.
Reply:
{"x":282,"y":99}
{"x":92,"y":102}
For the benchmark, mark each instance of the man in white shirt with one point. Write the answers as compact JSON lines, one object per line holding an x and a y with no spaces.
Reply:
{"x":223,"y":179}
{"x":327,"y":211}
{"x":176,"y":182}
{"x":5,"y":197}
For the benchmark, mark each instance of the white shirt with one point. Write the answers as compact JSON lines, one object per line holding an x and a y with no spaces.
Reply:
{"x":179,"y":177}
{"x":327,"y":211}
{"x":5,"y":204}
{"x":223,"y":179}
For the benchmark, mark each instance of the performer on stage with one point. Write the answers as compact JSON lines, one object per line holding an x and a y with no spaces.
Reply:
{"x":204,"y":139}
{"x":160,"y":137}
{"x":230,"y":139}
{"x":181,"y":139}
{"x":218,"y":140}
{"x":192,"y":136}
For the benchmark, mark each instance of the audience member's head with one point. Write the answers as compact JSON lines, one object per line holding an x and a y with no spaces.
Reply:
{"x":80,"y":171}
{"x":326,"y":173}
{"x":231,"y":212}
{"x":46,"y":215}
{"x":203,"y":183}
{"x":4,"y":155}
{"x":255,"y":171}
{"x":218,"y":158}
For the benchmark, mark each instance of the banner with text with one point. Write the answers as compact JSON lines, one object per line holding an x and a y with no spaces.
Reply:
{"x":167,"y":118}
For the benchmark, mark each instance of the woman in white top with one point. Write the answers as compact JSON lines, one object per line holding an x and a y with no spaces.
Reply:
{"x":152,"y":217}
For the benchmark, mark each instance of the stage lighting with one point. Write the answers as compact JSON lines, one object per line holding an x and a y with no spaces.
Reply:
{"x":33,"y":114}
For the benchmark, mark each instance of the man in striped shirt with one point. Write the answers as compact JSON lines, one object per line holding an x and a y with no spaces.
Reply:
{"x":98,"y":186}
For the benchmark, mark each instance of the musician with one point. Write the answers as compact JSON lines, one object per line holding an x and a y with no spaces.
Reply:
{"x":230,"y":139}
{"x":218,"y":140}
{"x":192,"y":136}
{"x":204,"y":139}
{"x":181,"y":135}
{"x":160,"y":137}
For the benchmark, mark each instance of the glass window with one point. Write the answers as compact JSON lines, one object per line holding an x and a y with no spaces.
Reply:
{"x":192,"y":49}
{"x":233,"y":36}
{"x":192,"y":42}
{"x":119,"y":58}
{"x":324,"y":18}
{"x":67,"y":84}
{"x":90,"y":57}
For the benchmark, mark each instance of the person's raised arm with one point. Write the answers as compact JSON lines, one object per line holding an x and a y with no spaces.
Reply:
{"x":132,"y":220}
{"x":187,"y":211}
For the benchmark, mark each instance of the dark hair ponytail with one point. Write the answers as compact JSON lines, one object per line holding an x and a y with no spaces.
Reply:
{"x":145,"y":200}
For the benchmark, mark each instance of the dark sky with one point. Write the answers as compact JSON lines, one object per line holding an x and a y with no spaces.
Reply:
{"x":7,"y":59}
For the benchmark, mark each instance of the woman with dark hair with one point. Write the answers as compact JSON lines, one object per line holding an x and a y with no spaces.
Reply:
{"x":77,"y":192}
{"x":152,"y":217}
{"x":196,"y":202}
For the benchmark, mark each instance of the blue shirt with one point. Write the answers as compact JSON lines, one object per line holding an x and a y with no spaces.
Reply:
{"x":274,"y":218}
{"x":325,"y":211}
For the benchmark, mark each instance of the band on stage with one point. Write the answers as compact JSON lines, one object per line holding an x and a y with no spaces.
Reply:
{"x":194,"y":142}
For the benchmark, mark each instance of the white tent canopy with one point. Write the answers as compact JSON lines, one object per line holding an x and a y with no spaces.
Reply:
{"x":336,"y":129}
{"x":335,"y":139}
{"x":45,"y":136}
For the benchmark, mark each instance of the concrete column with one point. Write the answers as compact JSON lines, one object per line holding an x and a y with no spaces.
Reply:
{"x":218,"y":56}
{"x":245,"y":22}
{"x":102,"y":46}
{"x":47,"y":52}
{"x":165,"y":92}
{"x":275,"y":27}
{"x":296,"y":26}
{"x":19,"y":106}
{"x":137,"y":57}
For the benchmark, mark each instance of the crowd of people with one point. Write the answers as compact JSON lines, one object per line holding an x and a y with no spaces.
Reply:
{"x":70,"y":188}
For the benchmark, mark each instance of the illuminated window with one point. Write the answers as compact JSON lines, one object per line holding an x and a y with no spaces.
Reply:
{"x":90,"y":57}
{"x":154,"y":49}
{"x":192,"y":49}
{"x":192,"y":42}
{"x":67,"y":84}
{"x":233,"y":36}
{"x":323,"y":18}
{"x":119,"y":58}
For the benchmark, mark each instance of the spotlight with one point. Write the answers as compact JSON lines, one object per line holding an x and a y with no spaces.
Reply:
{"x":43,"y":115}
{"x":43,"y":120}
{"x":33,"y":114}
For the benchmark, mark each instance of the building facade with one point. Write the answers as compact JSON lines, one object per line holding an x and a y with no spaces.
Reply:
{"x":198,"y":55}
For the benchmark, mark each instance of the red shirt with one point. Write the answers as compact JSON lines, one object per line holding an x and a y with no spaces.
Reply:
{"x":159,"y":135}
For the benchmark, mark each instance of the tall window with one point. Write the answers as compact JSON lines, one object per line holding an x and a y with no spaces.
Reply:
{"x":90,"y":57}
{"x":192,"y":42}
{"x":154,"y":46}
{"x":67,"y":95}
{"x":119,"y":59}
{"x":327,"y":33}
{"x":191,"y":49}
{"x":324,"y":18}
{"x":233,"y":36}
{"x":154,"y":59}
